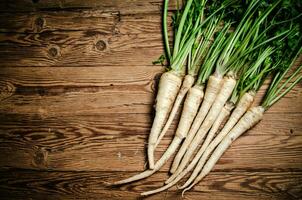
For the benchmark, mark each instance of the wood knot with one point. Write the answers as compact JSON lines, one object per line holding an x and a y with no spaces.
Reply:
{"x":100,"y":45}
{"x":39,"y":23}
{"x":6,"y":90}
{"x":40,"y":157}
{"x":54,"y":51}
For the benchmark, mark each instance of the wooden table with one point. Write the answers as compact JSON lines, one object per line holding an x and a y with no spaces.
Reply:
{"x":76,"y":93}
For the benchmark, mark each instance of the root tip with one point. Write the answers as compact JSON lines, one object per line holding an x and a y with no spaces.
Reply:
{"x":109,"y":184}
{"x":183,"y":192}
{"x":144,"y":194}
{"x":116,"y":183}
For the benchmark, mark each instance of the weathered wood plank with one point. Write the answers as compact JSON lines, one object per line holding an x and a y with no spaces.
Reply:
{"x":37,"y":140}
{"x":94,"y":91}
{"x":129,"y":124}
{"x":89,"y":148}
{"x":123,"y":6}
{"x":79,"y":49}
{"x":80,"y":20}
{"x":91,"y":38}
{"x":43,"y":102}
{"x":91,"y":112}
{"x":51,"y":92}
{"x":79,"y":76}
{"x":55,"y":101}
{"x":86,"y":185}
{"x":38,"y":22}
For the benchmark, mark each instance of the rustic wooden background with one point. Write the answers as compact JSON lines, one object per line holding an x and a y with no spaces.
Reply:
{"x":76,"y":93}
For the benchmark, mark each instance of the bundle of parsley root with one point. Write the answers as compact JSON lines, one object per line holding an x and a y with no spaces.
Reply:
{"x":222,"y":53}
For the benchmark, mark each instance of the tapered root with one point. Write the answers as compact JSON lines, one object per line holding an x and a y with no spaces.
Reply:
{"x":184,"y":191}
{"x":169,"y":85}
{"x":168,"y":153}
{"x":155,"y":191}
{"x":248,"y":120}
{"x":221,"y":117}
{"x":186,"y":85}
{"x":243,"y":105}
{"x":137,"y":177}
{"x":165,"y":187}
{"x":225,"y":92}
{"x":225,"y":112}
{"x":213,"y":87}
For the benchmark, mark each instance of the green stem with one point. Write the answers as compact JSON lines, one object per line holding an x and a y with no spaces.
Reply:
{"x":212,"y":55}
{"x":181,"y":56}
{"x":165,"y":29}
{"x":285,"y":92}
{"x":288,"y":80}
{"x":272,"y":95}
{"x":258,"y":75}
{"x":203,"y":46}
{"x":180,"y":27}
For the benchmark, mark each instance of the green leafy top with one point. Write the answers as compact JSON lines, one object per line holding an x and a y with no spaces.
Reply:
{"x":201,"y":45}
{"x":244,"y":40}
{"x":190,"y":24}
{"x":281,"y":32}
{"x":285,"y":75}
{"x":185,"y":23}
{"x":213,"y":53}
{"x":254,"y":73}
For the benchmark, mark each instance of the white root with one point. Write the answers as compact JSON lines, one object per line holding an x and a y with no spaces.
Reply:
{"x":228,"y":84}
{"x":168,"y":88}
{"x":225,"y":92}
{"x":250,"y":119}
{"x":222,"y":116}
{"x":190,"y":108}
{"x":243,"y":105}
{"x":225,"y":112}
{"x":193,"y":99}
{"x":186,"y":85}
{"x":213,"y":87}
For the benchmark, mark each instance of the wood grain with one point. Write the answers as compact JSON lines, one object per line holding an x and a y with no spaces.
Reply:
{"x":92,"y":38}
{"x":105,"y":22}
{"x":77,"y":88}
{"x":43,"y":21}
{"x":123,"y":6}
{"x":79,"y":49}
{"x":86,"y":149}
{"x":87,"y":185}
{"x":101,"y":92}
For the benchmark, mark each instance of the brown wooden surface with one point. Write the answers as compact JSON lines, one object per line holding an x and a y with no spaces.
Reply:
{"x":77,"y":86}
